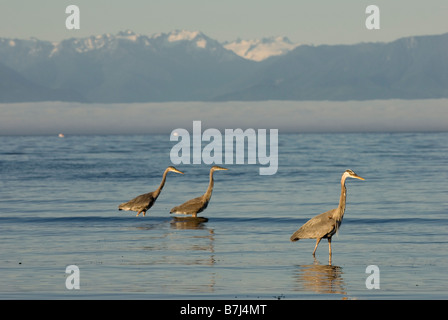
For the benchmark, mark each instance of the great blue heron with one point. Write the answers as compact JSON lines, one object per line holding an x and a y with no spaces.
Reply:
{"x":325,"y":225}
{"x":143,"y":202}
{"x":196,"y":205}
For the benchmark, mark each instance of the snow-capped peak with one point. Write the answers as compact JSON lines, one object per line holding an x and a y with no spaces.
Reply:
{"x":179,"y":35}
{"x":128,"y":34}
{"x":198,"y":38}
{"x":260,"y":49}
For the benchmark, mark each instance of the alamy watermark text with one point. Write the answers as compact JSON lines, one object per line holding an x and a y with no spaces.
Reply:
{"x":221,"y":149}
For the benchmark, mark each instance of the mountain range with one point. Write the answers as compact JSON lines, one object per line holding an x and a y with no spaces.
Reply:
{"x":190,"y":66}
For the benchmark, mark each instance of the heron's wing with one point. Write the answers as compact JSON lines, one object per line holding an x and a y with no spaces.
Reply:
{"x":143,"y":201}
{"x":317,"y":227}
{"x":191,"y":206}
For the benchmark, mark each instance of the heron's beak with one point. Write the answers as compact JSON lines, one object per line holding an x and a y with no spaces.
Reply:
{"x":177,"y":171}
{"x":358,"y":177}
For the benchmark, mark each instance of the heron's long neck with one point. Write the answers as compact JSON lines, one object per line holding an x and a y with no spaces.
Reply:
{"x":157,"y":192}
{"x":342,"y":200}
{"x":208,"y":193}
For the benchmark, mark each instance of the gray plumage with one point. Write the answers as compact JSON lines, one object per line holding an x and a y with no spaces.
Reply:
{"x":196,"y":205}
{"x":143,"y":202}
{"x":325,"y":225}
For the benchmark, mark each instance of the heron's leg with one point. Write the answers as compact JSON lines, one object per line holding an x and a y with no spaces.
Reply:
{"x":329,"y":251}
{"x":139,"y":213}
{"x":317,"y":243}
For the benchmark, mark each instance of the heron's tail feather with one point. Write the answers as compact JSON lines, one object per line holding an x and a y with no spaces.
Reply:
{"x":124,"y":206}
{"x":302,"y":233}
{"x":295,"y":236}
{"x":179,"y":211}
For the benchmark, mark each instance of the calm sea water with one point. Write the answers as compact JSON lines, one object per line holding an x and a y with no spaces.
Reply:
{"x":59,"y":198}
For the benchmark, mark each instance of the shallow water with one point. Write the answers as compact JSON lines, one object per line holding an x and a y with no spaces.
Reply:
{"x":59,"y":198}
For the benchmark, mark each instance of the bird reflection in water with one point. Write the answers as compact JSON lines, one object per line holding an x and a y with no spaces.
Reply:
{"x":188,"y":223}
{"x":185,"y":248}
{"x":320,"y":278}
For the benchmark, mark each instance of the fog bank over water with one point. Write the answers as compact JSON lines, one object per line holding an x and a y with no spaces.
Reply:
{"x":48,"y":118}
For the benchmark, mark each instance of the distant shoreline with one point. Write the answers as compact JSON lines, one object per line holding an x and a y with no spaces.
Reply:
{"x":52,"y":118}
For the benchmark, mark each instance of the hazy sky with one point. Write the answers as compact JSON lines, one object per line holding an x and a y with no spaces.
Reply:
{"x":303,"y":21}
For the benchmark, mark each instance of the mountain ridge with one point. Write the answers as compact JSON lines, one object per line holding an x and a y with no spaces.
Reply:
{"x":187,"y":65}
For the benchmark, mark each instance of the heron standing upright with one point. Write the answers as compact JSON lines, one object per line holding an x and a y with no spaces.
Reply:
{"x":325,"y":225}
{"x":196,"y":205}
{"x":143,"y":202}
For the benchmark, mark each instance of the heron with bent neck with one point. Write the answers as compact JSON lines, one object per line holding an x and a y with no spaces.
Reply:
{"x":199,"y":204}
{"x":325,"y":225}
{"x":143,"y":202}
